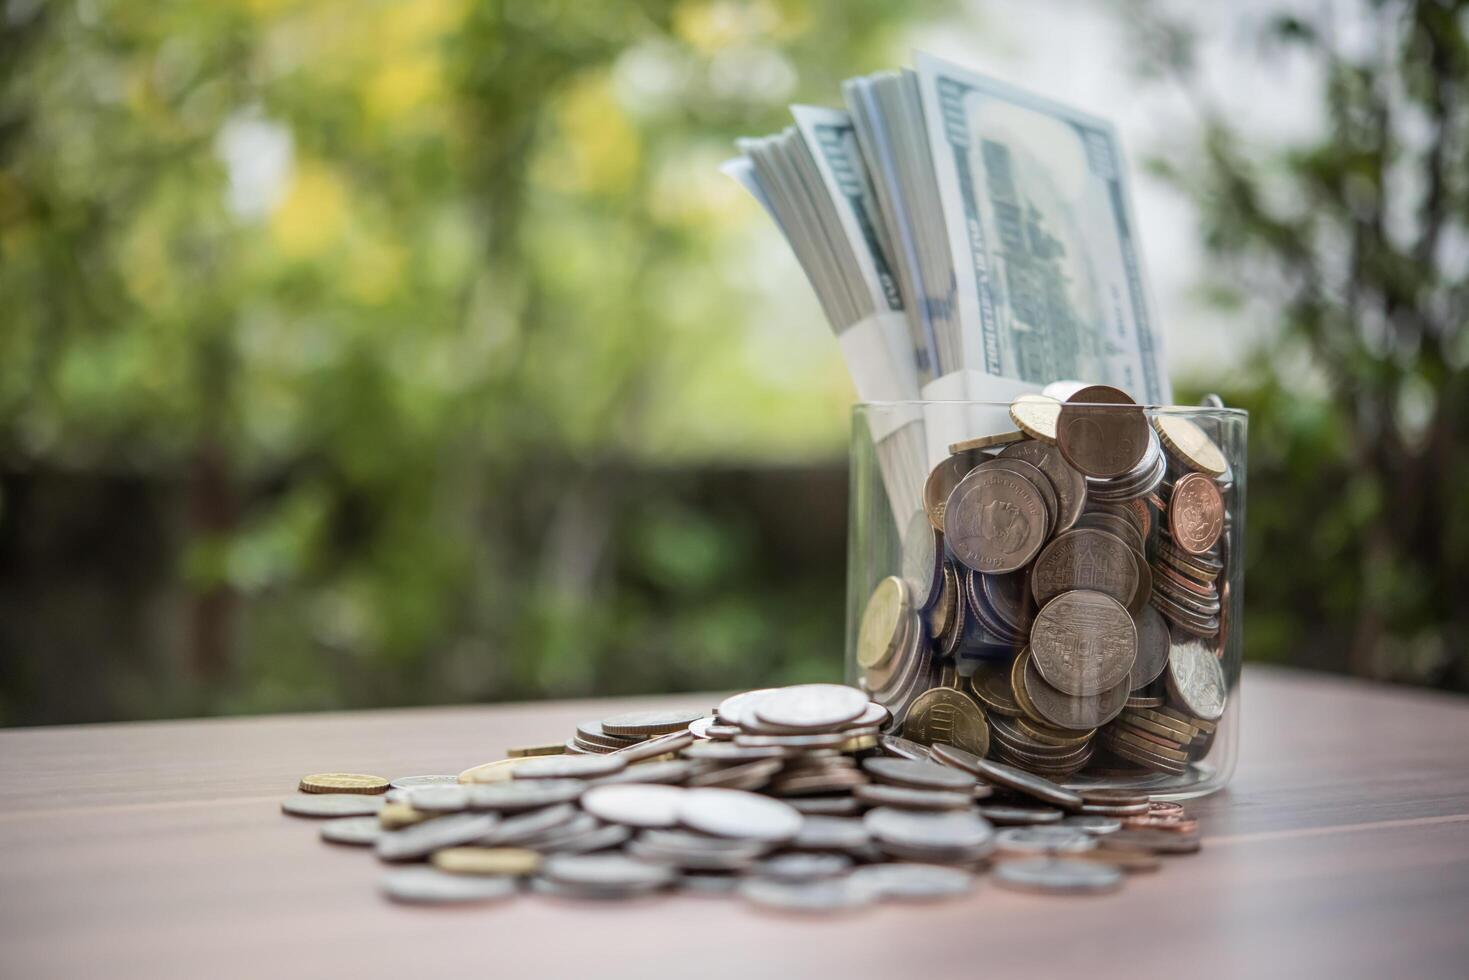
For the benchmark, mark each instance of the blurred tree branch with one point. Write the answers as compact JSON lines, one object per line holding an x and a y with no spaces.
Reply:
{"x":1361,"y":236}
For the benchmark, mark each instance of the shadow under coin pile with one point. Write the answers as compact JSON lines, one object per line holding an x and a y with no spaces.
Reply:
{"x":791,"y":798}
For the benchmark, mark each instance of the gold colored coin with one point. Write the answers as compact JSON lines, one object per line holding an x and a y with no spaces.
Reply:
{"x":1190,"y":444}
{"x":490,"y":772}
{"x":486,"y":860}
{"x":991,"y":687}
{"x":880,"y":633}
{"x":948,"y":716}
{"x":984,"y":442}
{"x":1018,"y":692}
{"x":343,"y":782}
{"x":858,"y":743}
{"x":395,"y":816}
{"x":528,"y":751}
{"x":1036,"y":415}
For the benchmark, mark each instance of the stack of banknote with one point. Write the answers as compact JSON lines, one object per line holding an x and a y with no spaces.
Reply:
{"x":968,"y":242}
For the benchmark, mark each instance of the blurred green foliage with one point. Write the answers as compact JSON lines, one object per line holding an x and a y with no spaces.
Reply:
{"x":423,"y":312}
{"x":1354,"y":242}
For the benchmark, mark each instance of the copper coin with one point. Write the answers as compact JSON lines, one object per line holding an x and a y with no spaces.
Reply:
{"x":1177,"y":825}
{"x":1084,"y":642}
{"x":1085,"y":558}
{"x":1102,"y":432}
{"x":995,"y":520}
{"x":1195,"y":513}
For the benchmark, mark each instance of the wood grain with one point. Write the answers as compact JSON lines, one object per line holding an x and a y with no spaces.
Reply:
{"x":158,"y":850}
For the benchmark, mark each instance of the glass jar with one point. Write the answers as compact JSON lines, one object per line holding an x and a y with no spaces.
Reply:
{"x":1052,"y":585}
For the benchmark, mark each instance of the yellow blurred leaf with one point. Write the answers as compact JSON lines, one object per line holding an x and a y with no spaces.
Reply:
{"x":311,"y":217}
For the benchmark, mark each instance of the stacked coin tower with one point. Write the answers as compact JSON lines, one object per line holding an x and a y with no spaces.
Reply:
{"x":1061,"y":598}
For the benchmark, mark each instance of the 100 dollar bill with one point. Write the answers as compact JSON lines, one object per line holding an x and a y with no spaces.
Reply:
{"x":1046,"y":260}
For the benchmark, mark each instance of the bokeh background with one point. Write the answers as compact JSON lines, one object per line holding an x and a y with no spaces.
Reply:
{"x":382,"y":352}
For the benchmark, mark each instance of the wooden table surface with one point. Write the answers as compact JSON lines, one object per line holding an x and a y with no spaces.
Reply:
{"x":159,"y":850}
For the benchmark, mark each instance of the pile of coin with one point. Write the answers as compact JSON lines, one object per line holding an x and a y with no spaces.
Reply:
{"x":793,"y":798}
{"x":1062,"y":599}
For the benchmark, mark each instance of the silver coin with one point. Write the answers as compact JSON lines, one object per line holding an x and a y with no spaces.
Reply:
{"x":825,"y":806}
{"x":709,"y":882}
{"x":875,"y":716}
{"x":999,"y":774}
{"x":902,"y":748}
{"x":1094,"y":825}
{"x":605,"y":871}
{"x":429,"y":886}
{"x":689,"y":841}
{"x":527,"y":826}
{"x":655,"y":722}
{"x":821,"y":740}
{"x":524,"y":794}
{"x":730,"y":752}
{"x":739,"y":814}
{"x":331,"y":805}
{"x":431,"y":835}
{"x":1043,"y":840}
{"x":820,"y":833}
{"x":634,"y":804}
{"x":1020,"y":816}
{"x":1058,"y":875}
{"x":918,"y":774}
{"x":352,"y":830}
{"x":736,"y":708}
{"x":439,"y":799}
{"x":557,"y":889}
{"x":597,"y":839}
{"x":700,"y":727}
{"x":914,"y":882}
{"x":803,"y":867}
{"x":663,"y":771}
{"x":746,"y":775}
{"x":1152,"y":648}
{"x":579,"y":825}
{"x":413,"y":782}
{"x":1195,"y":678}
{"x":879,"y":794}
{"x":654,"y":747}
{"x":826,"y":895}
{"x":811,"y":707}
{"x":949,"y":830}
{"x":569,"y":766}
{"x":923,"y":560}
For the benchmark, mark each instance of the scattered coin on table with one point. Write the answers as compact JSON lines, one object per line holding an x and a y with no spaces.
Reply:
{"x":809,"y":818}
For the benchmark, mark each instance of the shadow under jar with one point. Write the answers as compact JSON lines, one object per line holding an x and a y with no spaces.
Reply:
{"x":1053,"y":585}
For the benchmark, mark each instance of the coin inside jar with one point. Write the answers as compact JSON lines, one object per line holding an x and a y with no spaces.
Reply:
{"x":1195,"y":513}
{"x":995,"y":520}
{"x":1102,"y":432}
{"x":1085,"y":558}
{"x":1083,"y":642}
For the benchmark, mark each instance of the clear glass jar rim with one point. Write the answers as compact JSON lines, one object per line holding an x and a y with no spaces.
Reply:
{"x":1155,"y":409}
